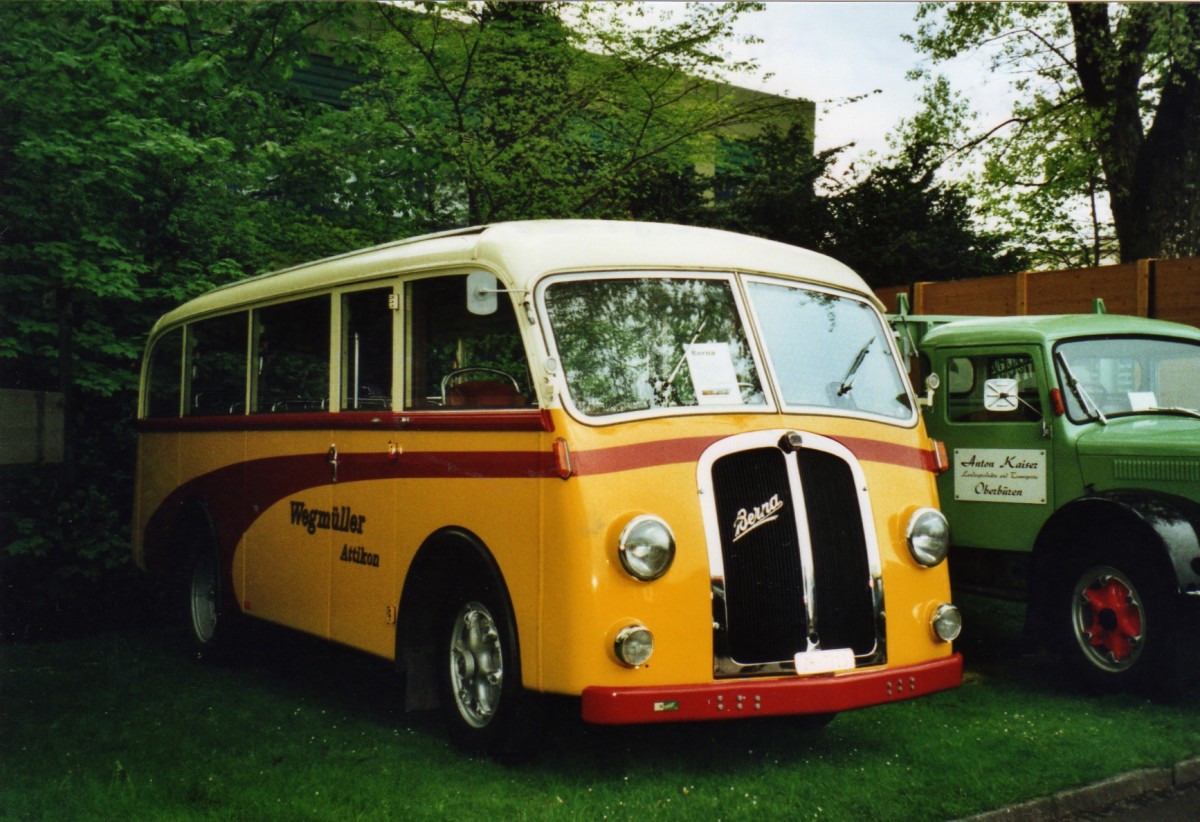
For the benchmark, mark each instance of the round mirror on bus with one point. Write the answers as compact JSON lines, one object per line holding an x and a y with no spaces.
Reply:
{"x":482,"y":288}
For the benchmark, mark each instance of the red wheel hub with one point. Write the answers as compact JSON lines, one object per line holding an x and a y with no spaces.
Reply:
{"x":1113,"y":617}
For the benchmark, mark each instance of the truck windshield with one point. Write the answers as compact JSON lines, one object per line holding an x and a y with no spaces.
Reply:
{"x":639,"y":343}
{"x":1129,"y":375}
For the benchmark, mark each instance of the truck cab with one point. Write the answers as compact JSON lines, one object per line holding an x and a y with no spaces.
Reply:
{"x":1074,"y":444}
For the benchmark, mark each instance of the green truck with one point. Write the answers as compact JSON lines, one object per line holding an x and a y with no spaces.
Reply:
{"x":1073,"y":479}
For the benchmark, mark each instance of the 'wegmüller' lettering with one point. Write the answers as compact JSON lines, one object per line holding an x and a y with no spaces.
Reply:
{"x":339,"y":519}
{"x":359,"y":556}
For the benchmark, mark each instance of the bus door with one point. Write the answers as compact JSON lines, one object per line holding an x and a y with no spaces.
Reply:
{"x":365,"y":560}
{"x":289,"y":475}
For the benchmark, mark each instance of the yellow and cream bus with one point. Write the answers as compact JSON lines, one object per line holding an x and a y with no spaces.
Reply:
{"x":675,"y":473}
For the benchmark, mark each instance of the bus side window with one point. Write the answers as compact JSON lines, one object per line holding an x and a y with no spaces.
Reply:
{"x":217,"y":366}
{"x":163,"y":376}
{"x":367,"y":350}
{"x":292,"y":357}
{"x":457,"y":359}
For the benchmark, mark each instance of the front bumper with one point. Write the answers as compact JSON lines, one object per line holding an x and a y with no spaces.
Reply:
{"x":742,"y":698}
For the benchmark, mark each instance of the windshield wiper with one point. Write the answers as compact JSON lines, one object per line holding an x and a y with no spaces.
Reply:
{"x":1089,"y":405}
{"x":848,"y":380}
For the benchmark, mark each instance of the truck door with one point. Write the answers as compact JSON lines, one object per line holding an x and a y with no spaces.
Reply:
{"x":991,"y":415}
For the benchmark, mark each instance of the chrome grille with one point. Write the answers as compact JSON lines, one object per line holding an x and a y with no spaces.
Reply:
{"x":794,"y":567}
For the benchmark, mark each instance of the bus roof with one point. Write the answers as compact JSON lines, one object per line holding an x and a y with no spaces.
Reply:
{"x":520,"y":252}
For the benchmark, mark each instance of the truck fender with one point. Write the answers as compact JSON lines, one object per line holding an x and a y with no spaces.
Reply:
{"x":1165,"y":526}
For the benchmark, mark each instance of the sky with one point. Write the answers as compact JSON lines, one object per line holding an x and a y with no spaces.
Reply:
{"x":831,"y":51}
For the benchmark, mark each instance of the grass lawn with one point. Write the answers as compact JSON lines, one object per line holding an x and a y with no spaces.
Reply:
{"x":124,"y":726}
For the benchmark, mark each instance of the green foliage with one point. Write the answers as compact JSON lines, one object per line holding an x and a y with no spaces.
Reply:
{"x":150,"y":152}
{"x":513,"y":111}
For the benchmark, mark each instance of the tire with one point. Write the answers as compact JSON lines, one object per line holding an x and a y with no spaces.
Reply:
{"x":1121,"y":624}
{"x":485,"y":705}
{"x":210,"y":631}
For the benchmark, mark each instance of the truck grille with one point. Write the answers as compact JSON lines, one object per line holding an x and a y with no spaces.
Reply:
{"x":792,"y":577}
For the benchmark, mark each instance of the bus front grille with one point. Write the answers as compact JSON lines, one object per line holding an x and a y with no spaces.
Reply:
{"x":795,"y":561}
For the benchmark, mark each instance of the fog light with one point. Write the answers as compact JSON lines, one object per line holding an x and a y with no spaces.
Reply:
{"x":928,"y":536}
{"x":947,"y":623}
{"x":634,"y":645}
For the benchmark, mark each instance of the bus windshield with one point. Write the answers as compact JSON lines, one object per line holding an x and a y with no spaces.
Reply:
{"x":642,"y":343}
{"x":635,"y":344}
{"x":828,"y":351}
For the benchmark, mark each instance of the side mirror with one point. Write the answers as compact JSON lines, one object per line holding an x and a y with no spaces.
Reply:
{"x":1000,"y":395}
{"x":932,"y":383}
{"x":482,"y":289}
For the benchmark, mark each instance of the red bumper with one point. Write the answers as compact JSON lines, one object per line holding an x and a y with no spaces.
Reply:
{"x":742,"y":698}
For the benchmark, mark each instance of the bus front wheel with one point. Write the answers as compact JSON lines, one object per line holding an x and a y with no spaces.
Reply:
{"x":484,"y":703}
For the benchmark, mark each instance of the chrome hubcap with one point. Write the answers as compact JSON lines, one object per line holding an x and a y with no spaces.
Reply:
{"x":476,"y":664}
{"x":204,"y":600}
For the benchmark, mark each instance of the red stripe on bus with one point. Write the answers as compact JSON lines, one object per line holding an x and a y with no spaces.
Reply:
{"x":668,"y":452}
{"x":519,"y":419}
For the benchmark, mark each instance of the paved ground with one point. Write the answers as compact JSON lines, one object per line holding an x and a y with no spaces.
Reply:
{"x":1152,"y":794}
{"x":1175,"y":806}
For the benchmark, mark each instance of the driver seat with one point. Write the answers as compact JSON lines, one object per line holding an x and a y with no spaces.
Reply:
{"x":484,"y":394}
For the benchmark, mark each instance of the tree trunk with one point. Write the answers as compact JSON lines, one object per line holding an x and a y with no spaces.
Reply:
{"x":1153,"y":178}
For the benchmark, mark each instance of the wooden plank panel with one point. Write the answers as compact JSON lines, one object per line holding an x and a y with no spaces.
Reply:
{"x":1177,"y":290}
{"x":987,"y":296}
{"x":1073,"y":291}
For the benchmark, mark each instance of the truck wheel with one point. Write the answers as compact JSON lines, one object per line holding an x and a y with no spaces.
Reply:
{"x":484,"y":703}
{"x":1122,"y":625}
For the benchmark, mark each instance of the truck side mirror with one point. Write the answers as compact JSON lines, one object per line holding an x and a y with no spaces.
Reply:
{"x":1000,"y":395}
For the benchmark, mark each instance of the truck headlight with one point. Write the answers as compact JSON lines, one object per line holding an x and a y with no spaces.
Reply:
{"x":646,"y":548}
{"x":928,"y":536}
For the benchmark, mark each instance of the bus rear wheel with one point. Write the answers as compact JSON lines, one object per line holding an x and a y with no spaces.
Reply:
{"x":485,"y":705}
{"x":211,"y":632}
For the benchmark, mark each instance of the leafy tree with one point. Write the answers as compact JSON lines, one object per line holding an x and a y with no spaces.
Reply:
{"x":516,"y":110}
{"x":896,"y":224}
{"x":767,"y":185}
{"x":149,"y":152}
{"x":900,"y":224}
{"x":1109,"y":98}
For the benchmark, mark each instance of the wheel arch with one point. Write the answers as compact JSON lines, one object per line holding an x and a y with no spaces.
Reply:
{"x":1163,"y":528}
{"x":447,"y":560}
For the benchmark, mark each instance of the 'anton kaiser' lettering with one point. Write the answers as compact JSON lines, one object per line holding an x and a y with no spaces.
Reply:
{"x":339,"y":519}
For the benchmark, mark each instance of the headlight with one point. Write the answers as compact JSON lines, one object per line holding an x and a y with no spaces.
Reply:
{"x":928,"y":536}
{"x":634,"y":645}
{"x":646,"y":548}
{"x":946,"y":623}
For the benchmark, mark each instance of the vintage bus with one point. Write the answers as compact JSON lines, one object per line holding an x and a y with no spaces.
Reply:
{"x":674,"y":473}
